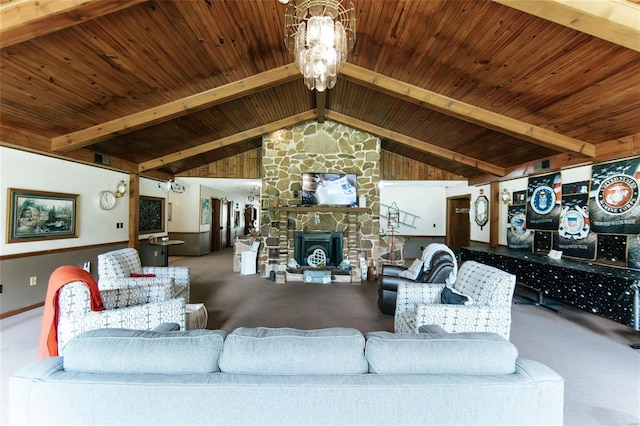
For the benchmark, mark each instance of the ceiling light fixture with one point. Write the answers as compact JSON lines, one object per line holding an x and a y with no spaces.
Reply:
{"x":171,"y":186}
{"x":319,"y":35}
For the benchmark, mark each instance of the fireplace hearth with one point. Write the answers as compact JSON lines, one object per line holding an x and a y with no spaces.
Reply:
{"x":307,"y":242}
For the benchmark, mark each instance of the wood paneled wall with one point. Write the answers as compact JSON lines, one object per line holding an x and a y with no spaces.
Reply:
{"x":393,"y":167}
{"x":398,"y":167}
{"x":242,"y":166}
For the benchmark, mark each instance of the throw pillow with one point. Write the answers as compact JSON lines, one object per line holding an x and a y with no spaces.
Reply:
{"x":138,"y":275}
{"x":414,"y":272}
{"x":450,"y":296}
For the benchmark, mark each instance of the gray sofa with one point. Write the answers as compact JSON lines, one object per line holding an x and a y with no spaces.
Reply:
{"x":286,"y":376}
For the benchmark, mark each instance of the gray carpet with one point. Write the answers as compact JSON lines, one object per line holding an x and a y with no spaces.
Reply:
{"x":601,"y":372}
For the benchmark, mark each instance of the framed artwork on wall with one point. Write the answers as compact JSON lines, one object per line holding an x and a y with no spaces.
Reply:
{"x":205,"y":211}
{"x":151,"y":214}
{"x":39,"y":215}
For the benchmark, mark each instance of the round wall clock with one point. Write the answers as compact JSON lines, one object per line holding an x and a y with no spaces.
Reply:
{"x":106,"y":200}
{"x":482,"y":210}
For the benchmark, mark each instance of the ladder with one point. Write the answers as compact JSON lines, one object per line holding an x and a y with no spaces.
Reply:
{"x":406,"y":218}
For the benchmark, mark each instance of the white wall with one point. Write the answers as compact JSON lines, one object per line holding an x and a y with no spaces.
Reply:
{"x":186,"y":206}
{"x":24,"y":170}
{"x":425,"y":199}
{"x":185,"y":209}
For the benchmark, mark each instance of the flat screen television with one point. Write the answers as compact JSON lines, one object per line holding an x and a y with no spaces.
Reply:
{"x":329,"y":189}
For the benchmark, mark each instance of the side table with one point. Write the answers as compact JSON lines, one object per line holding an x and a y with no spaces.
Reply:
{"x":165,"y":249}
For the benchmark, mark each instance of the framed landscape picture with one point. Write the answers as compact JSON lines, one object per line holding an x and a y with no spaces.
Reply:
{"x":39,"y":215}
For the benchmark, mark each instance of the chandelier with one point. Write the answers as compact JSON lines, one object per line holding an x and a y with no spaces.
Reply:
{"x":319,"y":35}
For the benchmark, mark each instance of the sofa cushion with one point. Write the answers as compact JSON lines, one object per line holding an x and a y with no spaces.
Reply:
{"x":453,"y":353}
{"x":288,"y":351}
{"x":113,"y":350}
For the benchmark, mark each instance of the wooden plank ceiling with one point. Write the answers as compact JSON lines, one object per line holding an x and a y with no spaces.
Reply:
{"x":475,"y":88}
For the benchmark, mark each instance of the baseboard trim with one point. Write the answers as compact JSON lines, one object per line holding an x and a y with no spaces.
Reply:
{"x":21,"y":310}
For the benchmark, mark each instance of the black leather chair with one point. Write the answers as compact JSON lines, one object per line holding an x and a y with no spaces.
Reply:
{"x":440,"y":266}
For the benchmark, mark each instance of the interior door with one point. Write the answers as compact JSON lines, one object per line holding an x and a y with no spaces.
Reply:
{"x":216,"y":233}
{"x":248,"y":219}
{"x":458,"y":222}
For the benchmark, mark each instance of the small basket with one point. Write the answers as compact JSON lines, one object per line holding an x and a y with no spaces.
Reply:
{"x":196,"y":316}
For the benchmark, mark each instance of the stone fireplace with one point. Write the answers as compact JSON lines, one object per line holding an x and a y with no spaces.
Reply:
{"x":327,"y":147}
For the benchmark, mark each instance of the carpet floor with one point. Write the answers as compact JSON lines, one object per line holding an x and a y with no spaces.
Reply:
{"x":601,"y":371}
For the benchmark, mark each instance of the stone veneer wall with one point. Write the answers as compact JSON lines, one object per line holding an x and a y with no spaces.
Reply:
{"x":327,"y":147}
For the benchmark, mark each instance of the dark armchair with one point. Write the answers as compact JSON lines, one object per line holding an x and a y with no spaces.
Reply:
{"x":441,"y":264}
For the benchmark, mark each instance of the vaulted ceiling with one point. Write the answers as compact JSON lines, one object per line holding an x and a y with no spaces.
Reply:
{"x":477,"y":88}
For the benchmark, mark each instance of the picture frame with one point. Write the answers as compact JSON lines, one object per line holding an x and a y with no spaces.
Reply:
{"x":481,"y":211}
{"x":205,"y":211}
{"x":152,"y":214}
{"x":519,"y":197}
{"x":40,"y":215}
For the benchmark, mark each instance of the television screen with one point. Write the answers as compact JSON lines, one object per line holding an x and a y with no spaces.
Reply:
{"x":329,"y":189}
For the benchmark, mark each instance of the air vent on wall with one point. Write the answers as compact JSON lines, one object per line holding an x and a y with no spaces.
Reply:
{"x":542,"y":164}
{"x":101,"y":159}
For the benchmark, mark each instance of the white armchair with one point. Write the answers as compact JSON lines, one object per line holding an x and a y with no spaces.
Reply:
{"x":489,"y":289}
{"x":141,"y":308}
{"x":115,"y":269}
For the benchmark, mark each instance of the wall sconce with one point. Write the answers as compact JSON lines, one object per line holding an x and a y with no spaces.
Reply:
{"x":506,"y":197}
{"x":121,"y":189}
{"x":225,"y":200}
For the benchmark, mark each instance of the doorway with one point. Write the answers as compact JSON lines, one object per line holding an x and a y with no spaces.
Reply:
{"x":216,"y":224}
{"x":250,"y":215}
{"x":458,"y":222}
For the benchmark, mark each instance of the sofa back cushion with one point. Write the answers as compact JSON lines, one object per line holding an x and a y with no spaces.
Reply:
{"x":453,"y":353}
{"x":486,"y":285}
{"x":288,"y":351}
{"x":119,"y":264}
{"x":113,"y":350}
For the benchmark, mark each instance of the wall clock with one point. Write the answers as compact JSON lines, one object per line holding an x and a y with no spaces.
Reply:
{"x":482,"y":211}
{"x":106,"y":200}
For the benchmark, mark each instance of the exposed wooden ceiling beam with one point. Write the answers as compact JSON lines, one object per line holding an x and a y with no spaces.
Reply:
{"x":628,"y":146}
{"x":435,"y":150}
{"x":616,"y":21}
{"x":321,"y":104}
{"x":466,"y":112}
{"x":228,"y":140}
{"x":171,"y":110}
{"x":24,"y":20}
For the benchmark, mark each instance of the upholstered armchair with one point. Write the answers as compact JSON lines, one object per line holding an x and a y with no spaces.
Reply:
{"x":437,"y":265}
{"x":479,"y":300}
{"x":142,"y":307}
{"x":122,"y":268}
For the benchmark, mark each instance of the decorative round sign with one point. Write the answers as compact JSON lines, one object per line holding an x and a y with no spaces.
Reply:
{"x":482,"y":210}
{"x":617,"y":194}
{"x":574,"y":223}
{"x":317,"y":258}
{"x":543,"y":199}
